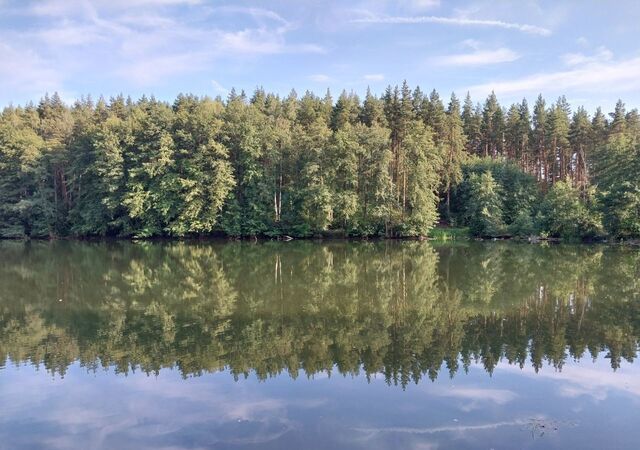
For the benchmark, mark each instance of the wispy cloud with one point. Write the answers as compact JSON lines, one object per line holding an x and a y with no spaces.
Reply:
{"x":597,"y":76}
{"x":478,"y":58}
{"x":256,"y":13}
{"x":219,"y":87}
{"x":458,"y":21}
{"x":320,"y":78}
{"x":67,"y":7}
{"x":145,"y":42}
{"x":374,"y":77}
{"x":602,"y":54}
{"x":423,"y":4}
{"x":25,"y":71}
{"x":154,"y":69}
{"x":259,"y":41}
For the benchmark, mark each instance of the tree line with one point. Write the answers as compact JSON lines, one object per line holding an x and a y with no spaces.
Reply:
{"x":407,"y":310}
{"x":391,"y":165}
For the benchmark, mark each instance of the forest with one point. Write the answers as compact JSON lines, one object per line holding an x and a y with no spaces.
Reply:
{"x":265,"y":165}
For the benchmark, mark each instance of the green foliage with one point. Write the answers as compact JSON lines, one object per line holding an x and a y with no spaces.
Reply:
{"x":484,"y":207}
{"x":621,"y":207}
{"x":522,"y":226}
{"x":22,"y":209}
{"x":202,"y":177}
{"x":564,"y":214}
{"x":617,"y":167}
{"x":269,"y":166}
{"x":510,"y":195}
{"x":422,"y":165}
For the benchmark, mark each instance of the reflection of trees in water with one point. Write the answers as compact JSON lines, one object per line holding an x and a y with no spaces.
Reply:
{"x":404,"y":309}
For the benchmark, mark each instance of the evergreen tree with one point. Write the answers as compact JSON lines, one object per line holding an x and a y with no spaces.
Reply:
{"x":524,"y":140}
{"x":484,"y":207}
{"x":23,"y":209}
{"x":301,"y":166}
{"x":540,"y":127}
{"x":580,"y":136}
{"x":559,"y":139}
{"x":564,"y":214}
{"x":471,"y":122}
{"x":492,"y":127}
{"x":372,"y":110}
{"x":454,"y":154}
{"x":435,"y":117}
{"x":202,"y":177}
{"x":419,"y":209}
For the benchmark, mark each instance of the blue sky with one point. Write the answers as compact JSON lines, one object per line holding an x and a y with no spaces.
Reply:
{"x":587,"y":50}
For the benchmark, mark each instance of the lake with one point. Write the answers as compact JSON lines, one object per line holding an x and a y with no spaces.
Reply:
{"x":318,"y":345}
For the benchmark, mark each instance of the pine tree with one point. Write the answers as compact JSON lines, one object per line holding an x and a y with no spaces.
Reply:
{"x":526,"y":158}
{"x":372,"y":111}
{"x":580,"y":136}
{"x":492,"y":127}
{"x":345,"y":111}
{"x":559,"y":139}
{"x":471,"y":122}
{"x":422,"y":164}
{"x":454,"y":154}
{"x":434,"y":116}
{"x":540,"y":127}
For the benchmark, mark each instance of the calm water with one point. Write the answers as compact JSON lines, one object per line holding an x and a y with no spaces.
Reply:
{"x":301,"y":345}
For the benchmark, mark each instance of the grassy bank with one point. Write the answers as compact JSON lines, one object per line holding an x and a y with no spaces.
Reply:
{"x":449,"y":234}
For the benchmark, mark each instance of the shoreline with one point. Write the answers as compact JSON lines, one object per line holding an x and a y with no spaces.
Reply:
{"x":328,"y":238}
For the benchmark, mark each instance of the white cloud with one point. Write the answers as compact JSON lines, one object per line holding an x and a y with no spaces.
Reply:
{"x":320,"y":78}
{"x":459,"y":21}
{"x":70,"y":35}
{"x":146,"y":42}
{"x":422,"y":4}
{"x":374,"y":77}
{"x":64,"y":8}
{"x":471,"y":43}
{"x":219,"y":87}
{"x":479,"y":58}
{"x":609,"y":76}
{"x":25,"y":71}
{"x":256,"y":13}
{"x":155,"y":69}
{"x":574,"y":59}
{"x":260,"y":41}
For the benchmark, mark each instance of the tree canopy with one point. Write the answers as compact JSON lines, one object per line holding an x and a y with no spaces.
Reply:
{"x":267,"y":165}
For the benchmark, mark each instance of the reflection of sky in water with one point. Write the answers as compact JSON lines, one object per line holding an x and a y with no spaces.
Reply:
{"x":587,"y":405}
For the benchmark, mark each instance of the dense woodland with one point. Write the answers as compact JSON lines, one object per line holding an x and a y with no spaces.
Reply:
{"x":403,"y":309}
{"x":305,"y":165}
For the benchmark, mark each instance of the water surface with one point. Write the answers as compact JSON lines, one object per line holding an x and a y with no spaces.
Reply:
{"x":318,"y":346}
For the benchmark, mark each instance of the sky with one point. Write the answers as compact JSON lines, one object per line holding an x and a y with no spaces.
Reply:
{"x":586,"y":50}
